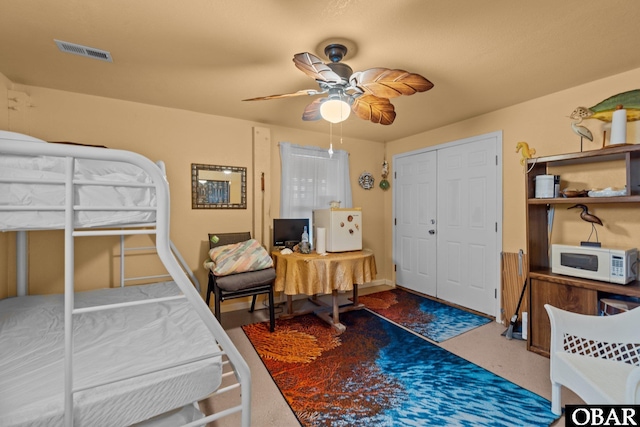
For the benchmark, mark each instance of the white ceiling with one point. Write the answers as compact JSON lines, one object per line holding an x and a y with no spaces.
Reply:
{"x":208,"y":55}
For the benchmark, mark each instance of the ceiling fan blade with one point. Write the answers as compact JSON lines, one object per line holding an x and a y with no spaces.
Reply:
{"x":373,"y":108}
{"x":387,"y":83}
{"x":312,"y":111}
{"x":313,"y":66}
{"x":310,"y":92}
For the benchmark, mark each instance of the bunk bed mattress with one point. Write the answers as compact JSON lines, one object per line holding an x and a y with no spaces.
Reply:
{"x":111,"y":344}
{"x":53,"y":169}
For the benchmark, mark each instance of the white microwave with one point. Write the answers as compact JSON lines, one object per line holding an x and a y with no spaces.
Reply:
{"x":604,"y":264}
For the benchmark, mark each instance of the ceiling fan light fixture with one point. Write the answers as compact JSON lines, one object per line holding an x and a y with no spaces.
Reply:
{"x":365,"y":92}
{"x":335,"y":110}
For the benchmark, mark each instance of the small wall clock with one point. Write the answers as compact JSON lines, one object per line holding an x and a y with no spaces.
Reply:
{"x":366,"y":180}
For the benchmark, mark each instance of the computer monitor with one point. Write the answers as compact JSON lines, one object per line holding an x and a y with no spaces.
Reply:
{"x":288,"y":231}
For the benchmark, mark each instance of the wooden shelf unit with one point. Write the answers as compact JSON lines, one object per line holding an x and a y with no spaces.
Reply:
{"x":569,"y":293}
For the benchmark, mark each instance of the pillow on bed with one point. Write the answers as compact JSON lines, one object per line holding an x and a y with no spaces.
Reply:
{"x":239,"y":258}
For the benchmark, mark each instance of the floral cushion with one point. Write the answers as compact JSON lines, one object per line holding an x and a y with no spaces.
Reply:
{"x":238,"y":258}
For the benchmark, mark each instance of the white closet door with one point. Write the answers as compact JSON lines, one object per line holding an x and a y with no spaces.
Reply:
{"x":415,"y":204}
{"x":467,"y":235}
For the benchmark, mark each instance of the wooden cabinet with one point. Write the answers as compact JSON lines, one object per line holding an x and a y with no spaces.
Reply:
{"x":569,"y":293}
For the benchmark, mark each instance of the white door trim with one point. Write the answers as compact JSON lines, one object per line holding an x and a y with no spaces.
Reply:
{"x":499,"y":207}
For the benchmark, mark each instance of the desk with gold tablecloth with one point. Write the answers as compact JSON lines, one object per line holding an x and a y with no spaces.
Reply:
{"x":313,"y":274}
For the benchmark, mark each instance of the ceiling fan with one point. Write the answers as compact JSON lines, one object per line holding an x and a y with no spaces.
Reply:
{"x":366,"y":93}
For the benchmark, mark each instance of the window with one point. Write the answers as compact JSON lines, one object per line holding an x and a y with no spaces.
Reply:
{"x":311,"y":179}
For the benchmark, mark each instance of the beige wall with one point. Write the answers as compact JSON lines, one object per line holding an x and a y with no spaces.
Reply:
{"x":179,"y":138}
{"x":7,"y":262}
{"x":5,"y":85}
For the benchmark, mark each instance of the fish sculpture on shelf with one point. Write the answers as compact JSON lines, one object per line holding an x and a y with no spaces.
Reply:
{"x":604,"y":110}
{"x":630,"y":100}
{"x":527,"y":153}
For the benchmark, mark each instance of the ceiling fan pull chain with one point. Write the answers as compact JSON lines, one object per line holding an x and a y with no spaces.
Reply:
{"x":330,"y":140}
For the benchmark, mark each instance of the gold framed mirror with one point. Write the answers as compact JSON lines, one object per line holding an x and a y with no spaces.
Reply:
{"x":218,"y":187}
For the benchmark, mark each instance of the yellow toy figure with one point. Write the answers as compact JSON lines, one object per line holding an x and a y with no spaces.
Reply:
{"x":527,"y":152}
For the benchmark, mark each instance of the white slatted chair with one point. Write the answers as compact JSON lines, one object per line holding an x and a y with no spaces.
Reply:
{"x":598,"y":357}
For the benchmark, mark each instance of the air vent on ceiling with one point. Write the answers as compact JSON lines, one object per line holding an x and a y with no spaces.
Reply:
{"x":89,"y":52}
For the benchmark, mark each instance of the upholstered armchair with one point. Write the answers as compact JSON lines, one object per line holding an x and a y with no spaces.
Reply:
{"x":229,"y":277}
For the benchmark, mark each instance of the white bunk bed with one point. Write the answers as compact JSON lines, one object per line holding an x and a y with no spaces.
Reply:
{"x":120,"y":356}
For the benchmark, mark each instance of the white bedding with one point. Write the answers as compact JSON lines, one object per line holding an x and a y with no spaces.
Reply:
{"x":108,"y":344}
{"x":52,"y":169}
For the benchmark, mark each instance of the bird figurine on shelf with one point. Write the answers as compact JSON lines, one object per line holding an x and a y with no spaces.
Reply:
{"x":585,"y":215}
{"x":581,"y":131}
{"x":527,"y":153}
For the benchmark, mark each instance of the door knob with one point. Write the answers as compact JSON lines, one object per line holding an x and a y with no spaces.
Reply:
{"x":432,"y":231}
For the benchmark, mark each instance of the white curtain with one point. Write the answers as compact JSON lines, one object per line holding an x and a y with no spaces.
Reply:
{"x":311,"y":179}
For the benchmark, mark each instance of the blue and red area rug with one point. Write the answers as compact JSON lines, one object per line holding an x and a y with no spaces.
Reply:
{"x":429,"y":318}
{"x":379,"y":374}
